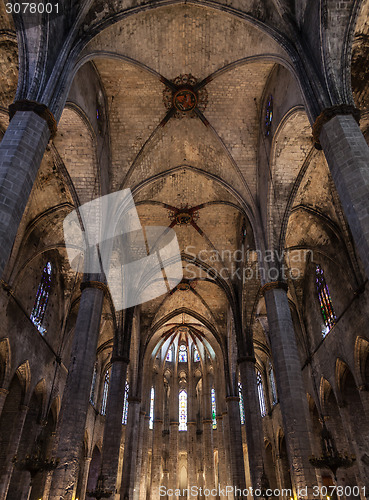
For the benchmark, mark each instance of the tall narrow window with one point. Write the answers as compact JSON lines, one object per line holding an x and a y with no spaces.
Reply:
{"x":268,"y":115}
{"x":273,"y":387}
{"x":242,"y":407}
{"x":152,"y":396}
{"x":93,"y":385}
{"x":182,"y":356}
{"x":169,"y":354}
{"x":182,"y":410}
{"x":213,"y":409}
{"x":125,"y":404}
{"x":325,"y":300}
{"x":259,"y":382}
{"x":105,"y":393}
{"x":196,"y":355}
{"x":42,"y":297}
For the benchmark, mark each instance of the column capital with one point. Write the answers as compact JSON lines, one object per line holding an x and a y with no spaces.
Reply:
{"x":133,"y":399}
{"x":274,"y":285}
{"x":250,"y":359}
{"x":328,"y":113}
{"x":94,"y":284}
{"x":40,"y":109}
{"x":207,"y":421}
{"x":117,"y":359}
{"x":232,"y":398}
{"x":4,"y":391}
{"x":173,"y":423}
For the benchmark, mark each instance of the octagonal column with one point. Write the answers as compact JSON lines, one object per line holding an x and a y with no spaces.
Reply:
{"x":347,"y":154}
{"x":71,"y":426}
{"x":293,"y":398}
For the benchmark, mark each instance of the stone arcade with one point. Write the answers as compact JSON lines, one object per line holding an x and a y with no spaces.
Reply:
{"x":242,"y":126}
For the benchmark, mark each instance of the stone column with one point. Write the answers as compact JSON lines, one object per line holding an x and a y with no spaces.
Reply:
{"x":113,"y":421}
{"x":114,"y":407}
{"x":347,"y":154}
{"x":3,"y":393}
{"x":130,"y":449}
{"x":226,"y":443}
{"x":71,"y":427}
{"x":173,"y":432}
{"x":293,"y":400}
{"x":142,"y":438}
{"x":145,"y":459}
{"x":12,"y":450}
{"x":191,"y":434}
{"x":86,"y":469}
{"x":21,"y":152}
{"x":208,"y":438}
{"x":157,"y":438}
{"x":253,"y":423}
{"x":236,"y":447}
{"x":223,"y":476}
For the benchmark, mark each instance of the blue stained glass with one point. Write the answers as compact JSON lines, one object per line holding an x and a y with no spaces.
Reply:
{"x":42,"y":297}
{"x":259,"y":382}
{"x":242,"y":407}
{"x":125,"y":404}
{"x":272,"y":385}
{"x":325,"y":300}
{"x":213,"y":409}
{"x":169,"y":354}
{"x":196,"y":355}
{"x":152,"y":396}
{"x":182,"y":356}
{"x":105,"y":393}
{"x":182,"y":411}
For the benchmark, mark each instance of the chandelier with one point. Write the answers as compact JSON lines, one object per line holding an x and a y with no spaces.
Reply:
{"x":100,"y":491}
{"x":331,"y":458}
{"x":35,"y":463}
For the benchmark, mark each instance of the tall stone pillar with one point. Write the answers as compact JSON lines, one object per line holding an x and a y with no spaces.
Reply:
{"x":6,"y":473}
{"x":21,"y":152}
{"x":191,"y":434}
{"x":114,"y":407}
{"x":223,"y":476}
{"x":71,"y":427}
{"x":130,"y":449}
{"x":113,"y":421}
{"x":226,"y":448}
{"x":157,"y":438}
{"x":145,"y":460}
{"x":293,"y":400}
{"x":173,"y":432}
{"x":86,"y":469}
{"x":142,"y":438}
{"x":347,"y":155}
{"x":3,"y":393}
{"x":208,"y":438}
{"x":253,"y":424}
{"x":236,"y":447}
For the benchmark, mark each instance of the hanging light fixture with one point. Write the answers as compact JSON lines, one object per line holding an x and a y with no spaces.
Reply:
{"x":100,"y":491}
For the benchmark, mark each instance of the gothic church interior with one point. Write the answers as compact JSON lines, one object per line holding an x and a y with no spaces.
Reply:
{"x":242,"y":126}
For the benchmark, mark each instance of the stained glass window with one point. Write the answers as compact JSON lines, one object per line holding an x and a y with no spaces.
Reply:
{"x":125,"y":404}
{"x":196,"y":355}
{"x":182,"y":411}
{"x":268,"y":115}
{"x":325,"y":300}
{"x":105,"y":393}
{"x":93,"y":385}
{"x":170,"y":354}
{"x":273,"y":387}
{"x":259,"y":382}
{"x":152,"y":396}
{"x":42,"y":296}
{"x":182,"y":356}
{"x":242,"y":407}
{"x":213,"y":409}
